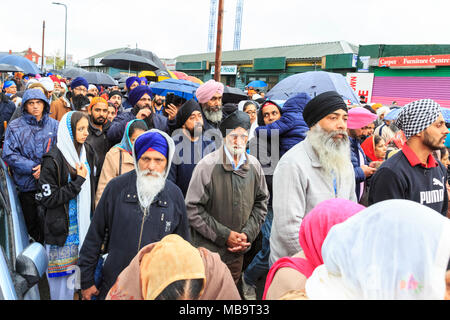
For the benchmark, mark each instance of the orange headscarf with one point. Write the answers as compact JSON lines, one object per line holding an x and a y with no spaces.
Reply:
{"x":96,"y":100}
{"x":369,"y":148}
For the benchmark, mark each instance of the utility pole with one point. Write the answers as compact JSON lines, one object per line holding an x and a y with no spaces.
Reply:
{"x":218,"y":62}
{"x":43,"y":37}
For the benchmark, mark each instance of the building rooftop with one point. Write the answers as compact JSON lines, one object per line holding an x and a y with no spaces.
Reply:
{"x":291,"y":52}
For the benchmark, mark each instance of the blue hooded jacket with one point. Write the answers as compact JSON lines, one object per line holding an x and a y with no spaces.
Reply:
{"x":292,"y":127}
{"x":27,"y":140}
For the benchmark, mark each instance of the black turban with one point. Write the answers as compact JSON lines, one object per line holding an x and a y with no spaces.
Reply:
{"x":321,"y":106}
{"x":235,"y":120}
{"x":185,"y":112}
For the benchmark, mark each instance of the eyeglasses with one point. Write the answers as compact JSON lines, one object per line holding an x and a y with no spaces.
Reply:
{"x":82,"y":90}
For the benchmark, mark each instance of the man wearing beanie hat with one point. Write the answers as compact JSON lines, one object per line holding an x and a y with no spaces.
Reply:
{"x":189,"y":143}
{"x":115,"y":97}
{"x":209,"y":95}
{"x":413,"y":173}
{"x":314,"y":170}
{"x":137,"y":208}
{"x":140,"y":98}
{"x":73,"y":100}
{"x":227,"y":197}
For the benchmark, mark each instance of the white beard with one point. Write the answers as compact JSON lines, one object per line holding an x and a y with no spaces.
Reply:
{"x":148,"y":186}
{"x":213,"y":116}
{"x":235,"y":150}
{"x":334,"y":155}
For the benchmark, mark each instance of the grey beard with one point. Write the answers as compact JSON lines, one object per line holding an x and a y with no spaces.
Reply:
{"x":148,"y":187}
{"x":213,"y":116}
{"x":333,"y":155}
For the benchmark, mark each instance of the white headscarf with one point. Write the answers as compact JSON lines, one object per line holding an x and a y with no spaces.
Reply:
{"x":66,"y":146}
{"x":395,"y":249}
{"x":254,"y":125}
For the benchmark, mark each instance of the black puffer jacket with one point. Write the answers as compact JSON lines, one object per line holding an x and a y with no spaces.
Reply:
{"x":57,"y":192}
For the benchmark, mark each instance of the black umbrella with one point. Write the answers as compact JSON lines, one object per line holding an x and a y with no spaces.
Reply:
{"x":9,"y":68}
{"x":128,"y":61}
{"x":149,"y":55}
{"x":99,"y":78}
{"x":73,"y":72}
{"x":233,"y":95}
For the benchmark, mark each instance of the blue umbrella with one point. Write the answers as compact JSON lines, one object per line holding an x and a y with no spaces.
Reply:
{"x":392,"y":115}
{"x":313,"y":83}
{"x":182,"y":88}
{"x":446,"y":114}
{"x":257,"y":84}
{"x":28,"y":66}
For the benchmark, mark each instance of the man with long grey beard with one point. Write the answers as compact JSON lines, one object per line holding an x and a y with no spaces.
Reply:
{"x":136,"y":208}
{"x":209,"y":96}
{"x":316,"y":169}
{"x":227,"y":196}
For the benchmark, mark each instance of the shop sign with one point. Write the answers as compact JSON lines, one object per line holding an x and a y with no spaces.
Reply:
{"x":362,"y":84}
{"x":415,"y":61}
{"x":225,"y":70}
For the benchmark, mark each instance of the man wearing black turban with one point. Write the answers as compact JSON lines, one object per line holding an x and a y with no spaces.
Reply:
{"x":190,"y":144}
{"x":314,"y":170}
{"x":227,"y":196}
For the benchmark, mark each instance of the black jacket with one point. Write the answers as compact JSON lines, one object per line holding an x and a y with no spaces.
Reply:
{"x":119,"y":211}
{"x":98,"y":140}
{"x":56,"y":192}
{"x":7,"y":108}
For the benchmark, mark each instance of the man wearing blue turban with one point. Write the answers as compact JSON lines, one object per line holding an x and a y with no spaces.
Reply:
{"x":137,"y":208}
{"x":130,"y":84}
{"x":140,"y":98}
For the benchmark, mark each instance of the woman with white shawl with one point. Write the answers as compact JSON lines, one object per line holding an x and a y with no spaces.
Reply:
{"x":393,"y":250}
{"x":67,"y":186}
{"x":251,"y":108}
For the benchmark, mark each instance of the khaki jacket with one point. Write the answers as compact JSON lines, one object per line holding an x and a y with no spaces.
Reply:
{"x":59,"y":108}
{"x":111,"y":167}
{"x":220,"y":200}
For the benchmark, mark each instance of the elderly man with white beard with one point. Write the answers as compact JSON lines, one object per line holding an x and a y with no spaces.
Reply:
{"x":227,"y":196}
{"x":136,"y":208}
{"x":316,"y":169}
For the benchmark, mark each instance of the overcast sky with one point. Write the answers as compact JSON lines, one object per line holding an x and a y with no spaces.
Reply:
{"x":174,"y":27}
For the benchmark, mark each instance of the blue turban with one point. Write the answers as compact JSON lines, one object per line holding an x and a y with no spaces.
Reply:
{"x":79,"y":81}
{"x":136,"y":94}
{"x":143,"y":79}
{"x":129,"y":82}
{"x":8,"y":84}
{"x":150,"y":141}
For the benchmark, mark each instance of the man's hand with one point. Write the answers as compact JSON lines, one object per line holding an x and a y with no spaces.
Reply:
{"x":143,"y":113}
{"x":87,"y":294}
{"x":171,"y":110}
{"x":368,"y":171}
{"x":37,"y":172}
{"x":237,"y":242}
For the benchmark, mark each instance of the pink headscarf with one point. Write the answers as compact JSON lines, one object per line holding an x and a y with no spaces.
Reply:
{"x":313,"y":231}
{"x":207,"y":90}
{"x":359,"y":117}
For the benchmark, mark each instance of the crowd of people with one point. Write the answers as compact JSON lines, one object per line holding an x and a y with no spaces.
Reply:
{"x":205,"y":198}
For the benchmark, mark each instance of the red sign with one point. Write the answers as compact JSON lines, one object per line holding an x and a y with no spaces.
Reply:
{"x":415,"y":61}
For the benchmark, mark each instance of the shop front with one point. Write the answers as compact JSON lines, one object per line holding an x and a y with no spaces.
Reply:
{"x":403,"y":79}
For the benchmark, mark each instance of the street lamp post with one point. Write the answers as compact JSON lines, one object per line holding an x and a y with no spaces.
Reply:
{"x":65,"y":32}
